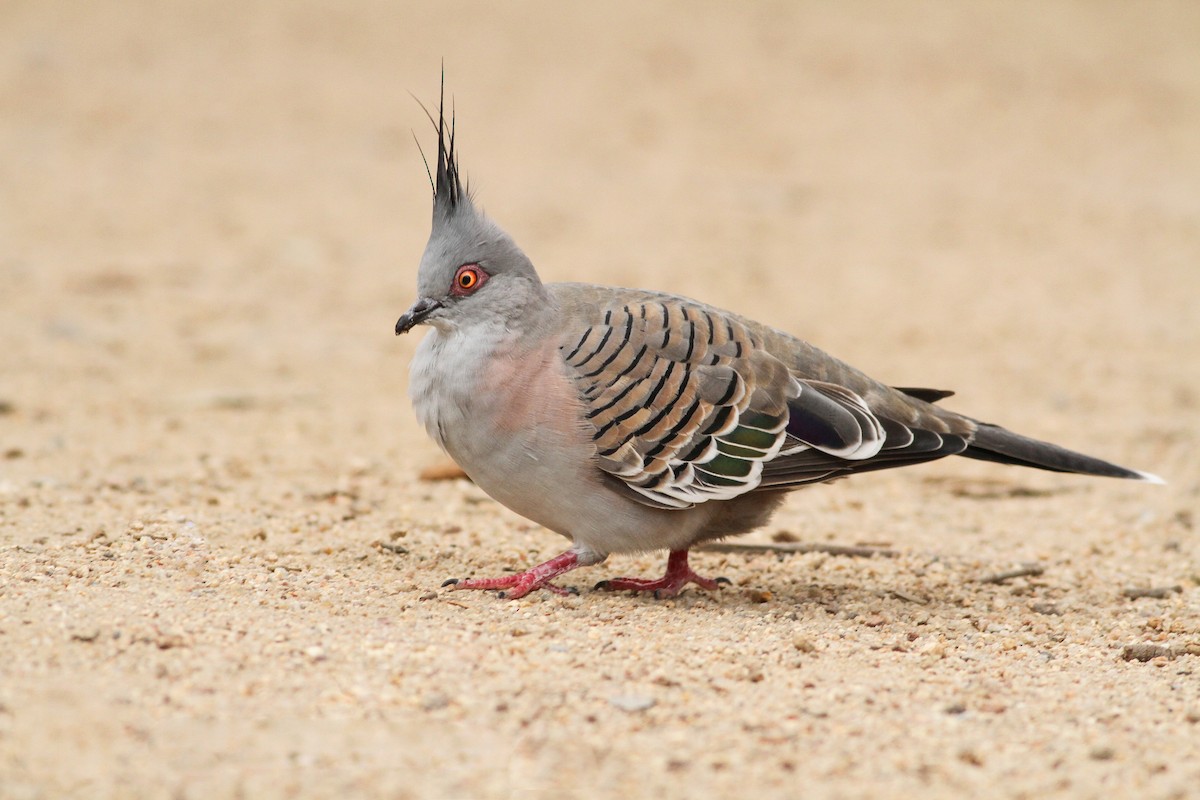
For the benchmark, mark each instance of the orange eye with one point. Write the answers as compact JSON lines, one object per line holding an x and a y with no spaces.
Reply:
{"x":468,"y":278}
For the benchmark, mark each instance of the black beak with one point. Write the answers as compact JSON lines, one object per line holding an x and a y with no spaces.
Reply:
{"x":417,"y":314}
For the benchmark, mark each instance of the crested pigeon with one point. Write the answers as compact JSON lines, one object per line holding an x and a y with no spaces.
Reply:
{"x":630,"y":420}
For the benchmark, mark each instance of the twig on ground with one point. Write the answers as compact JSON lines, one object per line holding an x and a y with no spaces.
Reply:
{"x":911,"y":598}
{"x":799,"y":547}
{"x":1025,"y":571}
{"x":442,"y":471}
{"x":1158,"y":593}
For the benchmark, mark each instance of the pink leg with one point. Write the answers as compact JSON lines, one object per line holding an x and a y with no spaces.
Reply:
{"x":679,"y":574}
{"x":538,"y":577}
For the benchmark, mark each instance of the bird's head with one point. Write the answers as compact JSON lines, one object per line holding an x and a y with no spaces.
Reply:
{"x":471,"y":269}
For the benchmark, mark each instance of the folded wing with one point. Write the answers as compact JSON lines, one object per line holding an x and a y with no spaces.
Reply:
{"x":685,"y":406}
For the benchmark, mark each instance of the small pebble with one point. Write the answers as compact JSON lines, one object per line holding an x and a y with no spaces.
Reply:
{"x":968,"y":756}
{"x":632,"y":702}
{"x":1145,"y":652}
{"x":803,"y":644}
{"x":434,"y":702}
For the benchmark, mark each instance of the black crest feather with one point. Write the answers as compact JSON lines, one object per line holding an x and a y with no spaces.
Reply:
{"x":449,"y":190}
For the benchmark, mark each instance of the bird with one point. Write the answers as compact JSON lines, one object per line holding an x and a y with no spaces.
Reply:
{"x":630,"y":420}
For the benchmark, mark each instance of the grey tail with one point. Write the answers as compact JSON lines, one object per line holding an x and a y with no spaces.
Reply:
{"x":993,"y":443}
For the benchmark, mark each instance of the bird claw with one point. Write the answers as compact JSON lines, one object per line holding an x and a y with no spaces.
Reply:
{"x":678,"y":575}
{"x":522,"y":583}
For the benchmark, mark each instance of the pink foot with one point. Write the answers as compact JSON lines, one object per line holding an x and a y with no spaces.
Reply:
{"x":679,"y":574}
{"x":521,"y":584}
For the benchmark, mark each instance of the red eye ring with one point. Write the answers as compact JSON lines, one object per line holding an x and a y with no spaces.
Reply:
{"x":468,"y":279}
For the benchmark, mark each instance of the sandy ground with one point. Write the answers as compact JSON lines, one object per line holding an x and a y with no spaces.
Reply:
{"x":219,"y":572}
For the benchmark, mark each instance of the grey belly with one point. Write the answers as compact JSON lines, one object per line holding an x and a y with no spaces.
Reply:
{"x":568,"y":495}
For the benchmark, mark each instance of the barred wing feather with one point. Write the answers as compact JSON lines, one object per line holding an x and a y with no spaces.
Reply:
{"x":686,"y":406}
